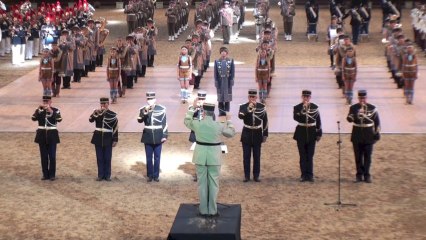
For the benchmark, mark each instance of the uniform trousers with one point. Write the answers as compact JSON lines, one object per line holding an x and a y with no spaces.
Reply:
{"x":226,"y":33}
{"x":306,"y":153}
{"x":223,"y":107}
{"x":103,"y":158}
{"x":363,"y":153}
{"x":248,"y":149}
{"x":2,"y":47}
{"x":208,"y":188}
{"x":29,"y":50}
{"x":36,"y":48}
{"x":355,"y":33}
{"x":48,"y":159}
{"x":153,"y":167}
{"x":288,"y":26}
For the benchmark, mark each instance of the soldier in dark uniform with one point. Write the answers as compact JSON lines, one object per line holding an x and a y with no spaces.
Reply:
{"x":154,"y":134}
{"x":365,"y":132}
{"x":308,"y":132}
{"x":312,"y":11}
{"x":255,"y":132}
{"x":224,"y":72}
{"x":47,"y":136}
{"x":105,"y":137}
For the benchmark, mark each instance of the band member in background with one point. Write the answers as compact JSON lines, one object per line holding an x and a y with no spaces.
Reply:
{"x":409,"y":72}
{"x":308,"y":132}
{"x":255,"y":132}
{"x":184,"y":73}
{"x":312,"y":11}
{"x":226,"y":20}
{"x":288,"y":11}
{"x":154,"y":134}
{"x":56,"y":54}
{"x":78,"y":57}
{"x":152,"y":41}
{"x":113,"y":73}
{"x":207,"y":154}
{"x":46,"y":72}
{"x":47,"y":136}
{"x":224,"y":72}
{"x":331,"y":37}
{"x":67,"y":46}
{"x":365,"y":132}
{"x":263,"y":74}
{"x":105,"y":137}
{"x":349,"y":68}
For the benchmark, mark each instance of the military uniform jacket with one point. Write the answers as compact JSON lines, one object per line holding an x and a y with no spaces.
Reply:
{"x":208,"y":131}
{"x":308,"y":128}
{"x":255,"y":123}
{"x":106,"y":131}
{"x":224,"y":71}
{"x":366,"y":129}
{"x":47,"y":132}
{"x":198,"y":115}
{"x":155,"y":124}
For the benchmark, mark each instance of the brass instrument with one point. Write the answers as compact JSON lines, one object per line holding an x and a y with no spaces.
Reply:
{"x":148,"y":109}
{"x":251,"y":107}
{"x":99,"y":112}
{"x":103,"y":32}
{"x":363,"y":12}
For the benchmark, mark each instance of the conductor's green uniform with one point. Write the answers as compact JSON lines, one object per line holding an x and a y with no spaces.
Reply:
{"x":208,"y":157}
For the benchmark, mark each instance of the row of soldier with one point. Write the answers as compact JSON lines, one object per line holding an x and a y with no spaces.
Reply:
{"x":363,"y":115}
{"x":73,"y":53}
{"x":138,"y":12}
{"x":26,"y":30}
{"x":401,"y":58}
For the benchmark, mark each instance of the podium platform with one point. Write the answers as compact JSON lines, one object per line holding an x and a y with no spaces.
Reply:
{"x":188,"y":225}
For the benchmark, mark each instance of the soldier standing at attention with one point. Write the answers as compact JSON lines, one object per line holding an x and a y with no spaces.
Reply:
{"x":113,"y":73}
{"x":224,"y":72}
{"x":226,"y":20}
{"x":308,"y":132}
{"x":104,"y":138}
{"x":207,"y":154}
{"x":255,"y":132}
{"x":184,"y":73}
{"x":365,"y":132}
{"x":409,"y":72}
{"x":349,"y":68}
{"x":47,"y":136}
{"x":154,"y":134}
{"x":46,"y":71}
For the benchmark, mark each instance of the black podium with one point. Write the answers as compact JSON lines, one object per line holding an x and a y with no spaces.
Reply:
{"x":188,"y":225}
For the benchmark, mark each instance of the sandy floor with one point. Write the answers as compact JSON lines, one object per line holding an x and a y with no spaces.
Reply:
{"x":77,"y":207}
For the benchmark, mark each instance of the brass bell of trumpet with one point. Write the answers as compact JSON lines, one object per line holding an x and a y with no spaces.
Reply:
{"x":251,"y":107}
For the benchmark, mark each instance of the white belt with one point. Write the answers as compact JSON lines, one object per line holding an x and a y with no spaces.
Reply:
{"x":364,"y":125}
{"x":47,"y":128}
{"x":262,"y":69}
{"x":103,"y":130}
{"x":307,"y":124}
{"x":252,"y":127}
{"x":154,"y":127}
{"x":113,"y":69}
{"x":349,"y":68}
{"x":184,"y":67}
{"x":46,"y":68}
{"x":414,"y":65}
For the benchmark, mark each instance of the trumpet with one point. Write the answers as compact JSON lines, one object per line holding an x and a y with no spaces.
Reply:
{"x":148,"y":109}
{"x":363,"y":110}
{"x":251,"y":107}
{"x":99,"y":112}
